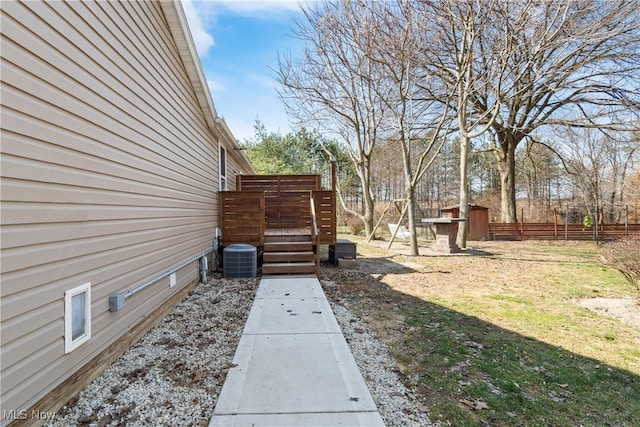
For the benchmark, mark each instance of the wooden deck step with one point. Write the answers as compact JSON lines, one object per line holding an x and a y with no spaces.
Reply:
{"x":276,"y":257}
{"x":301,"y":238}
{"x":288,"y":246}
{"x":289,"y":268}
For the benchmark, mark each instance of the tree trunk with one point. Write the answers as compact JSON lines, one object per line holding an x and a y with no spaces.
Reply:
{"x":506,"y":160}
{"x":461,"y":238}
{"x":411,"y":201}
{"x":368,"y":219}
{"x":368,"y":204}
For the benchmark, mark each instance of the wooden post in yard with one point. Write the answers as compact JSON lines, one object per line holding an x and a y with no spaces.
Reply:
{"x":566,"y":225}
{"x":626,"y":220}
{"x":555,"y":223}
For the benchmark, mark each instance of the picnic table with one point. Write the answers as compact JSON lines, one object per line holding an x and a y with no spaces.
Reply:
{"x":445,"y":233}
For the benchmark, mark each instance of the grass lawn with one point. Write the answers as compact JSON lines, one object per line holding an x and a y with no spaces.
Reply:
{"x":496,"y":337}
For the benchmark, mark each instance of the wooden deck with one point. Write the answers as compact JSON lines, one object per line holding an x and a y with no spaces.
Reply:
{"x":289,"y":216}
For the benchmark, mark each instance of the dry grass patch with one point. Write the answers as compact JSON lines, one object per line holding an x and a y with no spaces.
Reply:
{"x":496,"y":336}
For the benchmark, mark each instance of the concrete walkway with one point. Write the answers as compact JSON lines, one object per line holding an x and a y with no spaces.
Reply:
{"x":293,"y":365}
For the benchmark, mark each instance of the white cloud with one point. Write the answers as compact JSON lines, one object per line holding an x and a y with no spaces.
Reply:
{"x":216,"y":86}
{"x":202,"y":39}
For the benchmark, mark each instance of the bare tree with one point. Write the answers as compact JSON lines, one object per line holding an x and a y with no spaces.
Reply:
{"x":571,"y":63}
{"x":456,"y":53}
{"x":335,"y":84}
{"x":598,"y":163}
{"x":418,"y":121}
{"x":539,"y":175}
{"x":537,"y":63}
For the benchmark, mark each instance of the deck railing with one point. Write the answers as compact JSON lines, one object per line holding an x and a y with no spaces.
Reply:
{"x":278,"y":183}
{"x":314,"y":230}
{"x":325,"y":207}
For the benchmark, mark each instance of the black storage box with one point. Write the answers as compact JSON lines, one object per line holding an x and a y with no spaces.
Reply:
{"x":345,"y":249}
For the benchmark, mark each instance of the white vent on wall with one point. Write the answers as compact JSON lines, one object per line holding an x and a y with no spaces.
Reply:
{"x":77,"y":316}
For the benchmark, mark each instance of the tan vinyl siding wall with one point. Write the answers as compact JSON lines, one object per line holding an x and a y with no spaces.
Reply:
{"x":109,"y":176}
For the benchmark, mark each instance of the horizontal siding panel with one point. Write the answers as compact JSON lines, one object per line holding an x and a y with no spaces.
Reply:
{"x":148,"y":49}
{"x":27,"y":256}
{"x":21,"y":376}
{"x":106,"y":280}
{"x":13,"y":352}
{"x":32,"y":321}
{"x":61,"y":367}
{"x":91,"y":111}
{"x":141,"y":148}
{"x":156,"y":56}
{"x":49,"y":45}
{"x":127,"y":268}
{"x":25,"y":213}
{"x":72,"y":188}
{"x":33,"y":234}
{"x":16,"y":293}
{"x":107,"y":327}
{"x":24,"y":133}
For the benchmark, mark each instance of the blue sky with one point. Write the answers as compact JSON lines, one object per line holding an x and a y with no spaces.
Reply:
{"x":237,"y":42}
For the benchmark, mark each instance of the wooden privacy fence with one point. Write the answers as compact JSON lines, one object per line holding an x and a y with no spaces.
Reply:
{"x":324,"y":201}
{"x":287,"y":203}
{"x":551,"y":231}
{"x":242,"y":218}
{"x":276,"y":201}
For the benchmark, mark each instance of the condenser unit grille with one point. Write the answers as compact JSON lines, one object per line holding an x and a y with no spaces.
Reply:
{"x":239,"y":261}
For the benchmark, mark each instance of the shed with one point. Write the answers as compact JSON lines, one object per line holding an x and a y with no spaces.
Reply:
{"x":478,"y":220}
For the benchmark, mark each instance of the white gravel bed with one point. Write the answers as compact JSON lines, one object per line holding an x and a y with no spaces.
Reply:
{"x":396,"y":404}
{"x":174,"y":374}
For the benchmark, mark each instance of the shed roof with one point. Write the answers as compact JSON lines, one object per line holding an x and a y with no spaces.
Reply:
{"x":471,"y":205}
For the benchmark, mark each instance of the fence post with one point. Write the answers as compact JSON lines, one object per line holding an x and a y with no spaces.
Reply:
{"x":595,"y":226}
{"x":626,"y":220}
{"x":555,"y":223}
{"x":566,"y":225}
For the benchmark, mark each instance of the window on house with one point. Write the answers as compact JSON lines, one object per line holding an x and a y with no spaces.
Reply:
{"x":223,"y":169}
{"x":77,"y":316}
